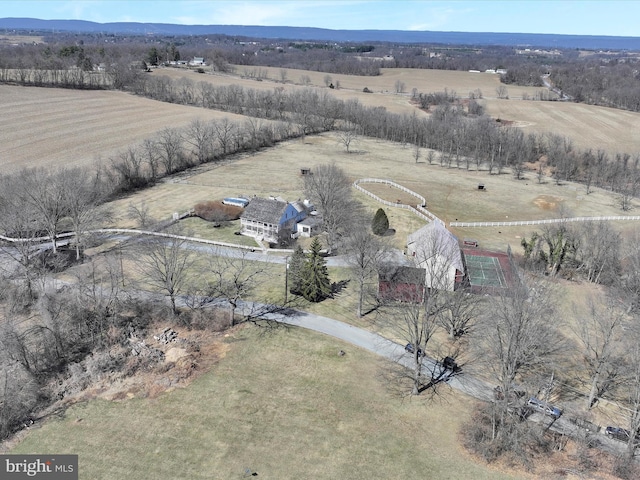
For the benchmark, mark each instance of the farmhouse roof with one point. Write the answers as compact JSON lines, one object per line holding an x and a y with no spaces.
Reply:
{"x":265,"y":210}
{"x":299,"y":206}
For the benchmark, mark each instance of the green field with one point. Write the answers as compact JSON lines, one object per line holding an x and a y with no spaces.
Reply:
{"x":283,"y":405}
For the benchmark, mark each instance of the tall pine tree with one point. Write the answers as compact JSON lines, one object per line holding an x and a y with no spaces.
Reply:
{"x":316,"y":285}
{"x":380,"y":223}
{"x":296,"y":270}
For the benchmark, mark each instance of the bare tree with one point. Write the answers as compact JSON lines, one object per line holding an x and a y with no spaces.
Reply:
{"x":46,"y":195}
{"x":365,"y":254}
{"x":600,"y":335}
{"x":460,"y":310}
{"x":19,"y":394}
{"x":631,"y":397}
{"x":18,"y":221}
{"x":232,"y":279}
{"x":516,"y":342}
{"x":224,"y":131}
{"x":347,"y":135}
{"x":199,"y":135}
{"x":165,"y":263}
{"x":329,"y":189}
{"x":85,"y":194}
{"x":129,"y":166}
{"x":598,"y":251}
{"x":151,"y":156}
{"x":416,"y":324}
{"x":502,"y":92}
{"x":169,"y":143}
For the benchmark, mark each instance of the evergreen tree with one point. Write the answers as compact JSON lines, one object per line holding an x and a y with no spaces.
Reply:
{"x":316,"y":285}
{"x":380,"y":223}
{"x":296,"y":270}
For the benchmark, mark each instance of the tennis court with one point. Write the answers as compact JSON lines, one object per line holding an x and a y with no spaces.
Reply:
{"x":484,"y":271}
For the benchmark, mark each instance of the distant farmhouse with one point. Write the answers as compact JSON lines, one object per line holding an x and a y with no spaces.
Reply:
{"x":197,"y":62}
{"x":275,"y":220}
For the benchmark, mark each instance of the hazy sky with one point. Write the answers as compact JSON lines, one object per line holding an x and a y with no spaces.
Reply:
{"x":580,"y":17}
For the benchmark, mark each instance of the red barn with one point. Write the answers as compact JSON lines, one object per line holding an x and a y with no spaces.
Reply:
{"x":401,"y":284}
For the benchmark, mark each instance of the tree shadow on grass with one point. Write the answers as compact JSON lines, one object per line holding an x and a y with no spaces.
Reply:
{"x":337,"y":287}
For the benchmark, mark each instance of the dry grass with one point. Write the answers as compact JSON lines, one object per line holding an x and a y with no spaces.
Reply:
{"x":588,"y":126}
{"x":283,"y":405}
{"x":51,"y":127}
{"x":59,"y":127}
{"x":451,"y":194}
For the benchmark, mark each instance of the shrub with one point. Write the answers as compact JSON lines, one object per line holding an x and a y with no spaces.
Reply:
{"x":380,"y":223}
{"x":217,"y":211}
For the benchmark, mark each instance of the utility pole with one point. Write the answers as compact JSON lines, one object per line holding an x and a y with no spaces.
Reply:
{"x":286,"y":279}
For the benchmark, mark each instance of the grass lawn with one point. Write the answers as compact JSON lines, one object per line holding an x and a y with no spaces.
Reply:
{"x":283,"y":405}
{"x":198,"y":228}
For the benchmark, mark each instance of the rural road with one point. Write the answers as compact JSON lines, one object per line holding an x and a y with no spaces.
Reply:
{"x":390,"y":350}
{"x":367,"y":340}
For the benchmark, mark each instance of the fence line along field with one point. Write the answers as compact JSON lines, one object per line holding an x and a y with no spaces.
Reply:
{"x":48,"y":127}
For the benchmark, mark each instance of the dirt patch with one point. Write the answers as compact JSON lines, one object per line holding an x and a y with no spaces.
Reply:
{"x":183,"y":362}
{"x":547,"y":202}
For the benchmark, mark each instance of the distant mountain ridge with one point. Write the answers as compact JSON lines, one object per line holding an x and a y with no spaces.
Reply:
{"x":592,"y":42}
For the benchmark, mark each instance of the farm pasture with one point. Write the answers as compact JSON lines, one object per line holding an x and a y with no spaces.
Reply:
{"x":588,"y":126}
{"x":451,"y":193}
{"x":51,"y":127}
{"x":54,"y":127}
{"x":284,"y":405}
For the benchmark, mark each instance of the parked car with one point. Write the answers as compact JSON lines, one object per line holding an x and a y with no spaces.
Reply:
{"x":449,"y":363}
{"x":410,"y":348}
{"x":444,"y":369}
{"x":617,"y":433}
{"x":543,"y":407}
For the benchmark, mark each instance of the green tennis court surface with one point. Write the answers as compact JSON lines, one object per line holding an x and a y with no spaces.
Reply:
{"x":484,"y":271}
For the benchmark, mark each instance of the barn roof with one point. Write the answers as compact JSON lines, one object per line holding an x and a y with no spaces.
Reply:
{"x":265,"y":210}
{"x":399,"y":274}
{"x":435,"y":239}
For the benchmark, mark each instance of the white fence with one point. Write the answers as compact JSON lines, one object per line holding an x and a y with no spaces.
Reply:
{"x":543,"y":222}
{"x":419,"y":209}
{"x":133,"y":232}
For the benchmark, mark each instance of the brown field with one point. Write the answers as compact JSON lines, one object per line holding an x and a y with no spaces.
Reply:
{"x":42,"y":126}
{"x":54,"y":127}
{"x":587,"y":125}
